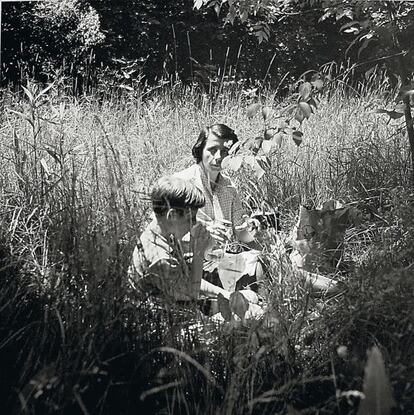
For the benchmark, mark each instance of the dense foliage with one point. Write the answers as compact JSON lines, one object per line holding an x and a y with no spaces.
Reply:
{"x":164,"y":38}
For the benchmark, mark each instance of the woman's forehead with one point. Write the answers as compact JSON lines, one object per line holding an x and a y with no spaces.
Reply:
{"x":214,"y":141}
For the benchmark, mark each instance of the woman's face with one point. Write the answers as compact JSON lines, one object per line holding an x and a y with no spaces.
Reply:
{"x":214,"y":152}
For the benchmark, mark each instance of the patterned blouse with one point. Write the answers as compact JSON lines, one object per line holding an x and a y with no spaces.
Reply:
{"x":221,"y":203}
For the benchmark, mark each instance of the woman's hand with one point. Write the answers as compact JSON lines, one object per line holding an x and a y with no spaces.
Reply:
{"x":220,"y":231}
{"x":246,"y":232}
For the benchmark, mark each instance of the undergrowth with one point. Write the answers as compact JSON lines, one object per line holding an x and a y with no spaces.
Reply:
{"x":74,"y":182}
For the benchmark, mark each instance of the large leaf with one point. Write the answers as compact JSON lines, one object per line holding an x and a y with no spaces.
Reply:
{"x":252,"y":162}
{"x":267,"y":146}
{"x":231,"y":15}
{"x":278,"y":138}
{"x":299,"y":116}
{"x":391,"y":113}
{"x":344,"y":12}
{"x":297,"y":137}
{"x":232,"y":162}
{"x":198,"y":4}
{"x":230,"y":268}
{"x":306,"y":109}
{"x":353,"y":24}
{"x":258,"y":171}
{"x":354,"y":29}
{"x":29,"y":94}
{"x":238,"y":304}
{"x":377,"y":390}
{"x":224,"y":307}
{"x":305,"y":90}
{"x":253,"y":109}
{"x":217,"y":9}
{"x":261,"y":31}
{"x":266,"y":112}
{"x":318,"y":84}
{"x":244,"y":14}
{"x":44,"y":91}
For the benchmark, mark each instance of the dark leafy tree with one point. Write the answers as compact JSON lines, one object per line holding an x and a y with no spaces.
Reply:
{"x":50,"y":35}
{"x":164,"y":38}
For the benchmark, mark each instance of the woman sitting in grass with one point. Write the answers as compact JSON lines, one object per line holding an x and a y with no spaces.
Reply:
{"x":160,"y":267}
{"x":223,"y":212}
{"x":223,"y":203}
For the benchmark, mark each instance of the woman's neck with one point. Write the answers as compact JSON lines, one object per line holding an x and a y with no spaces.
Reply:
{"x":213,"y":176}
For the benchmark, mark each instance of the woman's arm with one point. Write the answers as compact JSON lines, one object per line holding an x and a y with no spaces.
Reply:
{"x":211,"y":290}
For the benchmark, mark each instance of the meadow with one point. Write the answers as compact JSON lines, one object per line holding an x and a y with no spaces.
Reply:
{"x":74,"y":180}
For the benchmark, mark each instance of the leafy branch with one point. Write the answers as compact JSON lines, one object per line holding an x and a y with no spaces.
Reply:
{"x":279,"y":124}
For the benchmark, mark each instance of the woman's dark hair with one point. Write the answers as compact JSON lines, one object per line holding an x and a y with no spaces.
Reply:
{"x":219,"y":130}
{"x":175,"y":193}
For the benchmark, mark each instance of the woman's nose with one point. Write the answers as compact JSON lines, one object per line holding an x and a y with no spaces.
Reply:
{"x":218,"y":155}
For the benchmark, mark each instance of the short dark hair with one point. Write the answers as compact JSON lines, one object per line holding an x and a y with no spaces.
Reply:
{"x":175,"y":193}
{"x":219,"y":130}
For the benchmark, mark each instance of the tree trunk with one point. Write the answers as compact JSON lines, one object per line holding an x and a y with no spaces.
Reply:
{"x":410,"y":132}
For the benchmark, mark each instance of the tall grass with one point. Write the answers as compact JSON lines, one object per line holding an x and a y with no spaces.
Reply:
{"x":74,"y":179}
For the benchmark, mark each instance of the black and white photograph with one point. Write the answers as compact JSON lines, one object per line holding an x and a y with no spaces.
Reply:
{"x":207,"y":207}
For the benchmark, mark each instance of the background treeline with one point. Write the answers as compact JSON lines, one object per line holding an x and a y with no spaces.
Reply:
{"x":86,"y":39}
